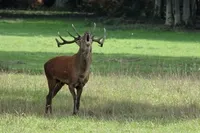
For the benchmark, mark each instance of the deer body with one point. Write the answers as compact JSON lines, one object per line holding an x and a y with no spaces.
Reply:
{"x":70,"y":70}
{"x":75,"y":68}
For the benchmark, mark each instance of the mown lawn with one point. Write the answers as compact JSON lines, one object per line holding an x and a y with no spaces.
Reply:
{"x":144,"y":79}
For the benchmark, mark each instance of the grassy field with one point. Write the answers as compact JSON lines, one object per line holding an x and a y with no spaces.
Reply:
{"x":144,"y":79}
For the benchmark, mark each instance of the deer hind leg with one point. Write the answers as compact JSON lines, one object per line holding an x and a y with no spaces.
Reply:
{"x":58,"y":86}
{"x":54,"y":87}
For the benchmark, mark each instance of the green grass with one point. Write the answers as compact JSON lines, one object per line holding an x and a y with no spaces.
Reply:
{"x":143,"y":79}
{"x":27,"y":44}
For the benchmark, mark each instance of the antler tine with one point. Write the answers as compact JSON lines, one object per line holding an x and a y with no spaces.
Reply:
{"x":64,"y":41}
{"x":101,"y":39}
{"x":94,"y":27}
{"x":72,"y":35}
{"x":104,"y":33}
{"x":75,"y":30}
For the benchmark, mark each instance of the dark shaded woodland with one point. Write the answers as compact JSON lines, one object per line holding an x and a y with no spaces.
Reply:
{"x":170,"y":12}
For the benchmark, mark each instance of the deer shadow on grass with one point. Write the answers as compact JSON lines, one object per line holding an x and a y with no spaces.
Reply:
{"x":137,"y":111}
{"x":15,"y":102}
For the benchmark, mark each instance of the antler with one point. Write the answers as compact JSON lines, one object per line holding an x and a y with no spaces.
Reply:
{"x":75,"y":30}
{"x":101,"y":39}
{"x":94,"y":28}
{"x":65,"y":41}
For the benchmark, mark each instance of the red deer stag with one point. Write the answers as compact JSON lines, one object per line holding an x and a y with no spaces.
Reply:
{"x":71,"y":70}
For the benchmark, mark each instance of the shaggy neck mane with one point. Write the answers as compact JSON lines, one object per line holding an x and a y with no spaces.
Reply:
{"x":84,"y":59}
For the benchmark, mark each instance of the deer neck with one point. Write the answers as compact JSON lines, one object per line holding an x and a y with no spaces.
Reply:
{"x":84,"y":60}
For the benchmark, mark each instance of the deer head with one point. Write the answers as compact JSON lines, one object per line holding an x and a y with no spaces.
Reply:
{"x":85,"y":41}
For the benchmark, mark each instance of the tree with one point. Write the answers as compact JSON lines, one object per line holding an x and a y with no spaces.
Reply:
{"x":157,"y":8}
{"x":194,"y":5}
{"x":48,"y":3}
{"x":186,"y":11}
{"x":177,"y":15}
{"x":60,"y":3}
{"x":169,"y":17}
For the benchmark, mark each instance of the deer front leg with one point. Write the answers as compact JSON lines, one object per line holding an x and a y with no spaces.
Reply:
{"x":79,"y":92}
{"x":72,"y":90}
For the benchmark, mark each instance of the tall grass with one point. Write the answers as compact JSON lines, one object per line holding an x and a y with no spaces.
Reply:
{"x":112,"y":96}
{"x":115,"y":103}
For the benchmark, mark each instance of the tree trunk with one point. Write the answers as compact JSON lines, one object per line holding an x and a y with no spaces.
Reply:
{"x":157,"y":8}
{"x":60,"y":3}
{"x":78,"y":3}
{"x":163,"y":9}
{"x":177,"y":16}
{"x":193,"y":10}
{"x":169,"y":18}
{"x":186,"y":11}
